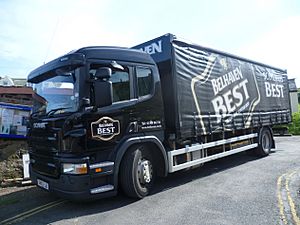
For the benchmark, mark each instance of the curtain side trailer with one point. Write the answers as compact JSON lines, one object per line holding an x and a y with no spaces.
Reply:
{"x":116,"y":117}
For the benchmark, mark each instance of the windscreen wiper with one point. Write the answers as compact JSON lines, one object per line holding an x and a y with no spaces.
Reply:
{"x":52,"y":111}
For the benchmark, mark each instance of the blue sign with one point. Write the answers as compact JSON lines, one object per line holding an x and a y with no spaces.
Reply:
{"x":13,"y":120}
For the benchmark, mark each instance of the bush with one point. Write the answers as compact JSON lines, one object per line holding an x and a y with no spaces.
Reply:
{"x":294,"y":127}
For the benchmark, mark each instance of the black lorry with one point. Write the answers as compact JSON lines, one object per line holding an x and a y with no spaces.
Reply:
{"x":110,"y":117}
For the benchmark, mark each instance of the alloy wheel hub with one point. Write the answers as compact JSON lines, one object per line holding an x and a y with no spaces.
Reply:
{"x":145,"y":171}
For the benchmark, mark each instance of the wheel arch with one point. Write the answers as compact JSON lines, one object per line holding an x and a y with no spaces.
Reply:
{"x":150,"y":141}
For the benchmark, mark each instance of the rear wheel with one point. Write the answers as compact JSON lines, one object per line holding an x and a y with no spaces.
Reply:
{"x":265,"y":142}
{"x":137,"y":172}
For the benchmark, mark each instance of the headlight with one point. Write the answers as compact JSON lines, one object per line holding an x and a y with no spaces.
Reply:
{"x":71,"y":168}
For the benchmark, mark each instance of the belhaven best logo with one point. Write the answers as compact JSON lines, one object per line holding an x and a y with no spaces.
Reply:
{"x":231,"y":89}
{"x":105,"y":128}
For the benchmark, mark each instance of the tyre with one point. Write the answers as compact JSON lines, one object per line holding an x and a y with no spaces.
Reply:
{"x":137,"y":172}
{"x":265,"y":142}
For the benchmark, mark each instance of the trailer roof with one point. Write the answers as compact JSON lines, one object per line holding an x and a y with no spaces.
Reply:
{"x":227,"y":54}
{"x":165,"y":42}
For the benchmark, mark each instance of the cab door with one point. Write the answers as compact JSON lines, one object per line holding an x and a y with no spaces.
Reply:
{"x":149,"y":108}
{"x":110,"y":124}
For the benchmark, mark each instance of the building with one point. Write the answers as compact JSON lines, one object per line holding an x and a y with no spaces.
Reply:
{"x":16,"y":102}
{"x":293,"y":95}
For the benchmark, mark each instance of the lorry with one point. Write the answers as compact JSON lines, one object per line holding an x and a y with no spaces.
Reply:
{"x":116,"y":118}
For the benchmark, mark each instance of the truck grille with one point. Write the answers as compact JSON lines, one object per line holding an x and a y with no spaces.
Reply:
{"x":45,"y":165}
{"x":44,"y":142}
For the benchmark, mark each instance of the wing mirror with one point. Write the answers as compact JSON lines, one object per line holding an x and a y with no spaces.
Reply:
{"x":103,"y":73}
{"x":103,"y":87}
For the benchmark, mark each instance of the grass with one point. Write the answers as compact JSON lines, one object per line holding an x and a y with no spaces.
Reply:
{"x":294,"y":127}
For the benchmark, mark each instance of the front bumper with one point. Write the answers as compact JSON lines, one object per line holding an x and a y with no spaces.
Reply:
{"x":79,"y":187}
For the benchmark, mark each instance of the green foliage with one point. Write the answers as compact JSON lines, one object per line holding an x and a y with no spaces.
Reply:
{"x":294,"y":127}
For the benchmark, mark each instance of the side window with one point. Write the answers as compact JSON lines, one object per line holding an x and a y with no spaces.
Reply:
{"x":120,"y":86}
{"x":120,"y":81}
{"x":144,"y":81}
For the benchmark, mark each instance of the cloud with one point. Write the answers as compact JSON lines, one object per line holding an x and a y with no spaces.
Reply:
{"x":266,"y":4}
{"x":87,"y":29}
{"x":278,"y":47}
{"x":39,"y":31}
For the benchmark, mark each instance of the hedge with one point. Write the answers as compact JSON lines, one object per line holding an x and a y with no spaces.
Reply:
{"x":294,"y":127}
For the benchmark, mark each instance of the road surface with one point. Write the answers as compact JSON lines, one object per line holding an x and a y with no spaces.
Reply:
{"x":239,"y":189}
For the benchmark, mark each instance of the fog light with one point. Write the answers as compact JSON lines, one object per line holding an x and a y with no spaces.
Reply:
{"x":71,"y":168}
{"x":98,"y":170}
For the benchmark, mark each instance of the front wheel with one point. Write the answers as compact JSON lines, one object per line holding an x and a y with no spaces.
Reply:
{"x":137,"y":172}
{"x":265,"y":142}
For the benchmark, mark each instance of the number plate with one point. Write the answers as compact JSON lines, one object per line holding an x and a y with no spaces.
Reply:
{"x":42,"y":184}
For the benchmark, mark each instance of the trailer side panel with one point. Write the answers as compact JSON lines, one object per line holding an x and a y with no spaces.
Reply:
{"x":217,"y":92}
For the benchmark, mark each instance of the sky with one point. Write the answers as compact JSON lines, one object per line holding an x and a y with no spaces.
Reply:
{"x":33,"y":32}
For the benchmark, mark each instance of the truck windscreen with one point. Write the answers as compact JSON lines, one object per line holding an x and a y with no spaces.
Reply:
{"x":58,"y":94}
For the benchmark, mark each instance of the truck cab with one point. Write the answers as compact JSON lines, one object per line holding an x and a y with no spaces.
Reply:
{"x":95,"y":104}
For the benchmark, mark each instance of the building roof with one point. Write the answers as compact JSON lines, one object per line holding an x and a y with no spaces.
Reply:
{"x":19,"y":81}
{"x":11,"y":90}
{"x":9,"y":81}
{"x":16,"y":90}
